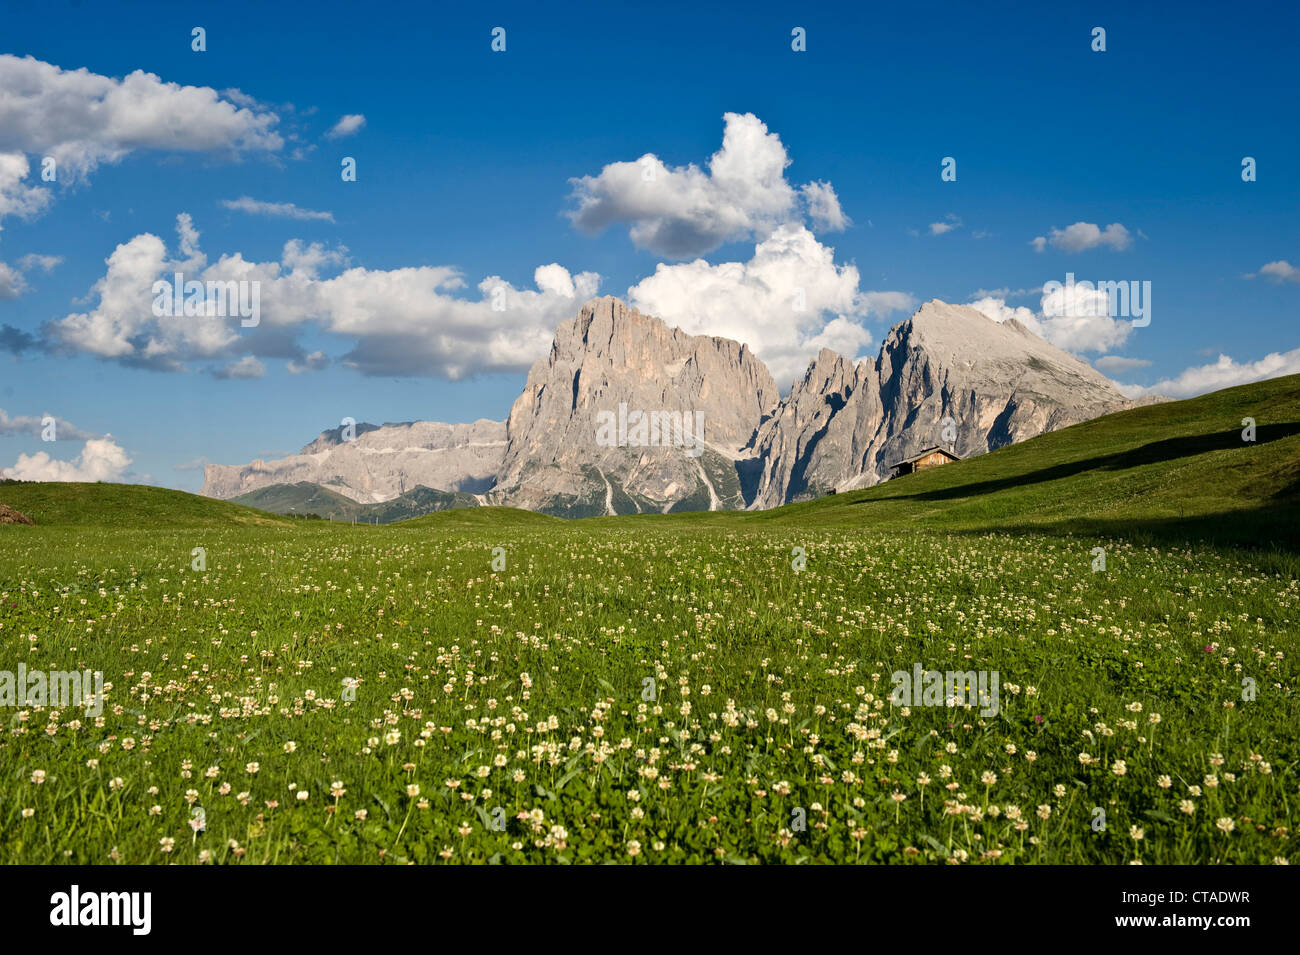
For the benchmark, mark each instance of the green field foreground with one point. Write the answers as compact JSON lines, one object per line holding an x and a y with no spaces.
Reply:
{"x":683,"y":688}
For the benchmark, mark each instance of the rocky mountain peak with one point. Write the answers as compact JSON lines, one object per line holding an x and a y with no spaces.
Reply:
{"x":826,"y":372}
{"x":333,"y":437}
{"x":627,"y":413}
{"x":612,"y":363}
{"x":948,"y":376}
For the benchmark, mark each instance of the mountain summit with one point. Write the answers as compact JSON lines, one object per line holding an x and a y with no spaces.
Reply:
{"x":627,"y":414}
{"x":947,"y":377}
{"x":614,"y":366}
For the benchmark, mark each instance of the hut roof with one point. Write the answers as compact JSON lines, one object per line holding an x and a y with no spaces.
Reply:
{"x":925,"y":454}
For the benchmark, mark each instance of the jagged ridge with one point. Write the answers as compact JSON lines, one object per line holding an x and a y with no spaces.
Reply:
{"x":842,"y":425}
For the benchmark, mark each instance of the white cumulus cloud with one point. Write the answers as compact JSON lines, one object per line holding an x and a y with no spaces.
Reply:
{"x":17,"y":198}
{"x":46,"y":263}
{"x":1279,"y":271}
{"x":1224,"y":373}
{"x":1085,"y":235}
{"x":347,"y":125}
{"x":948,"y":223}
{"x":101,"y":459}
{"x":405,"y":321}
{"x":824,"y":207}
{"x":12,"y":283}
{"x":684,"y":211}
{"x":1073,"y":318}
{"x":82,"y":119}
{"x":787,"y":302}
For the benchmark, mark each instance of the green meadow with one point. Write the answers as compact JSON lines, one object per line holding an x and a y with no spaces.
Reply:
{"x":490,"y":685}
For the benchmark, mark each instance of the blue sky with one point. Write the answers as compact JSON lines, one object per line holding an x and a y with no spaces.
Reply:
{"x":466,"y":161}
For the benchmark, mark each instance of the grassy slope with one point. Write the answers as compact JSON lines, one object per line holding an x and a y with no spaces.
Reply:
{"x":1178,"y":470}
{"x":417,"y":502}
{"x":126,"y":506}
{"x":139,"y":507}
{"x":301,"y":498}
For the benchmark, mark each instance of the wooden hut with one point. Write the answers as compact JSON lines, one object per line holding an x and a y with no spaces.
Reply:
{"x":929,"y":458}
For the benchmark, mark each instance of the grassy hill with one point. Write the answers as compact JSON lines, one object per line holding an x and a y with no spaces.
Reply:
{"x":125,"y":506}
{"x":301,"y":498}
{"x":140,"y":507}
{"x":417,"y":502}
